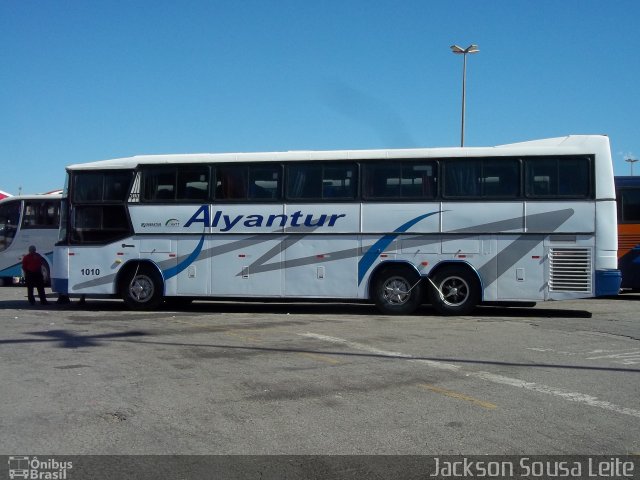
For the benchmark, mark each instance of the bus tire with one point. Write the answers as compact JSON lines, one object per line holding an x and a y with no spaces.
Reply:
{"x":398,"y":291}
{"x":460,"y":290}
{"x":141,"y":288}
{"x":46,"y":274}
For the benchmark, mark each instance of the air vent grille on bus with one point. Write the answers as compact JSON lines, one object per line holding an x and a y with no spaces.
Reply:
{"x":570,"y":270}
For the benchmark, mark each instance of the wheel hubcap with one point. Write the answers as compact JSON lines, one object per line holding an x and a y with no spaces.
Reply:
{"x":396,"y":291}
{"x":455,"y":291}
{"x":141,"y":288}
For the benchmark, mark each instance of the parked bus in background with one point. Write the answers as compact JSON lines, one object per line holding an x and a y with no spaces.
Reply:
{"x":628,"y":198}
{"x":27,"y":220}
{"x":453,"y":227}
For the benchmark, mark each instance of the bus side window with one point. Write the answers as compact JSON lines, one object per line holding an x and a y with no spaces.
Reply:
{"x":232,"y":183}
{"x":557,"y":177}
{"x":304,"y":181}
{"x":339,"y":182}
{"x":382,"y":181}
{"x":159,"y":184}
{"x":500,"y":178}
{"x":164,"y":194}
{"x":193,"y":183}
{"x":462,"y":178}
{"x":541,"y":177}
{"x":264,"y":182}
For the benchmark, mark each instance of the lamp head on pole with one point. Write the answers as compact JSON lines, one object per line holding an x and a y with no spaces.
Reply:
{"x":473,"y":48}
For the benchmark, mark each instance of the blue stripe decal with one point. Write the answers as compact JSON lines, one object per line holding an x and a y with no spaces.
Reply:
{"x":173,"y":271}
{"x":12,"y":271}
{"x":370,"y":257}
{"x":16,"y":269}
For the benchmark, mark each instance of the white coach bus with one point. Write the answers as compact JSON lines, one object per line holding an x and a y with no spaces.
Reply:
{"x":452,"y":227}
{"x":27,"y":220}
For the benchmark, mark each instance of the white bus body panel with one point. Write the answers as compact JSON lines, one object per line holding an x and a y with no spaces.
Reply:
{"x":245,"y":266}
{"x":321,"y":267}
{"x":520,"y":249}
{"x":607,"y":247}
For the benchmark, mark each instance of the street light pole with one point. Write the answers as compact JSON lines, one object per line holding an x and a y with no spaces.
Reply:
{"x":631,"y":162}
{"x":463,"y":51}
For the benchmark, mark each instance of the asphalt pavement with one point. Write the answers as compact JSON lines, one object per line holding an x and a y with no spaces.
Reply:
{"x":319,"y":379}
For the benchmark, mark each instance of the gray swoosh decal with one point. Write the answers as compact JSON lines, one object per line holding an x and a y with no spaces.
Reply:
{"x":543,"y":222}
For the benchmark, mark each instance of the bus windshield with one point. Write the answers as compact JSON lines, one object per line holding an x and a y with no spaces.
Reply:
{"x":9,"y":219}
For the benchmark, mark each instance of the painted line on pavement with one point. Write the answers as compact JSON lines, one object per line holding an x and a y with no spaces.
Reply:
{"x":459,"y":396}
{"x":490,"y":377}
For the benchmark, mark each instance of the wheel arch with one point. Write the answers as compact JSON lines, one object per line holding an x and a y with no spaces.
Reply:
{"x":382,"y":267}
{"x":460,"y":264}
{"x":133,"y":264}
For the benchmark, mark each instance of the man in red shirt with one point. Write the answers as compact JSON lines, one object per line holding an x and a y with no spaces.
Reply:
{"x":32,"y":264}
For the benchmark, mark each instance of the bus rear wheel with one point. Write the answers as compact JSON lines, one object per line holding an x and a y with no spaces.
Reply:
{"x":398,"y":291}
{"x":455,"y":291}
{"x":141,"y":288}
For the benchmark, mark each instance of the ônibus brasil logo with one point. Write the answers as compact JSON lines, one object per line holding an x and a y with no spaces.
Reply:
{"x":36,"y":469}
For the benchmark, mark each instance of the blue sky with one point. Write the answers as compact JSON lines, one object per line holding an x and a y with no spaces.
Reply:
{"x":92,"y":80}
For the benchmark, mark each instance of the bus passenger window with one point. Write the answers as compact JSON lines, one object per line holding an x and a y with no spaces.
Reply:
{"x":548,"y":177}
{"x":401,"y":180}
{"x":462,"y":178}
{"x":41,"y":214}
{"x":382,"y":181}
{"x":338,"y":182}
{"x":232,"y":183}
{"x":330,"y":182}
{"x":304,"y":182}
{"x":418,"y":180}
{"x":159,"y":184}
{"x":264,"y":182}
{"x":500,"y":178}
{"x":193,"y":183}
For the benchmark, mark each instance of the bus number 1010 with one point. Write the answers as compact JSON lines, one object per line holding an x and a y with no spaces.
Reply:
{"x":90,"y":271}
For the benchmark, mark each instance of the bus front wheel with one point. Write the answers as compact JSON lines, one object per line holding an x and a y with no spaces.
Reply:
{"x":142,"y":288}
{"x":398,"y":291}
{"x":454,"y":291}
